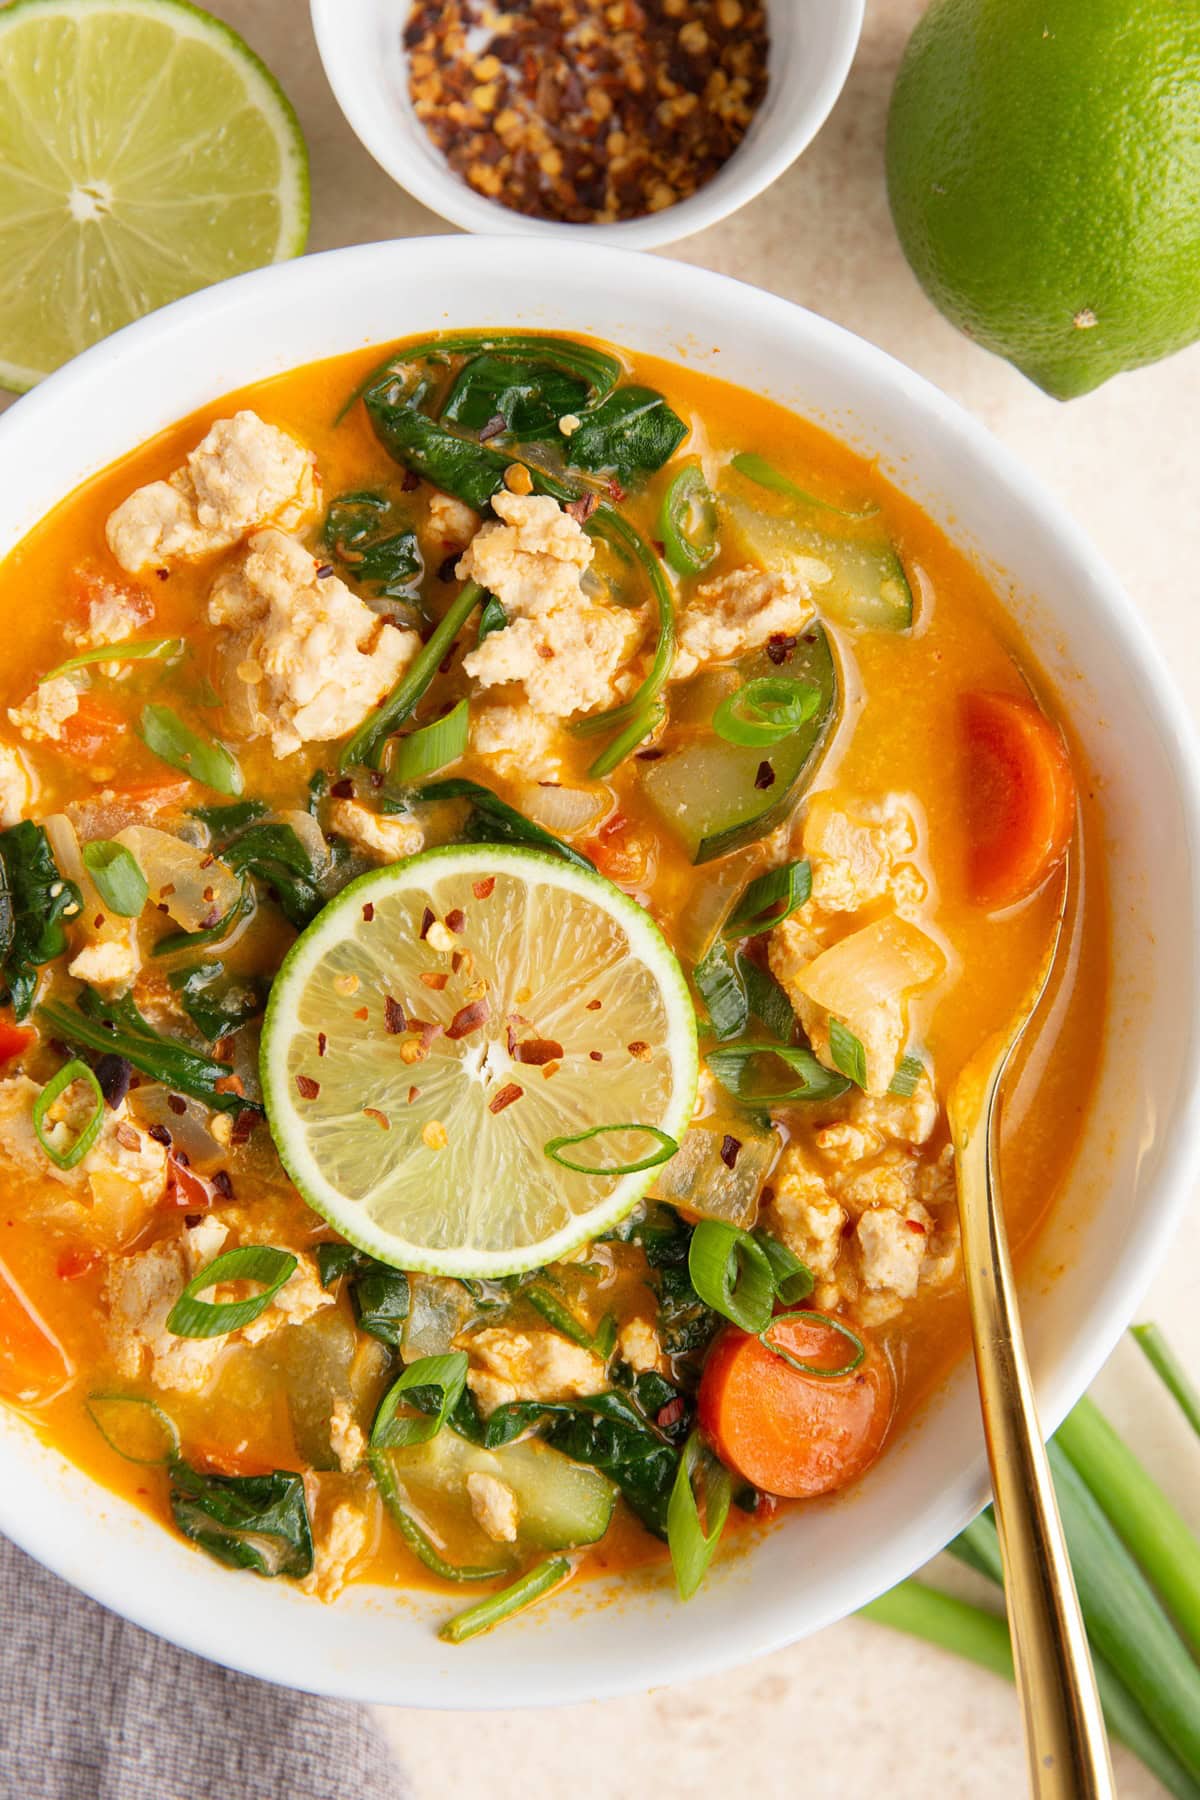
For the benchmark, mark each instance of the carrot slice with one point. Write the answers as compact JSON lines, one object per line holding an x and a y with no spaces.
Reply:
{"x":789,"y":1433}
{"x":33,"y":1364}
{"x":1020,"y":797}
{"x":14,"y":1039}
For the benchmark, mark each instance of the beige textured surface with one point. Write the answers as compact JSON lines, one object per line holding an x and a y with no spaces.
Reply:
{"x":857,"y":1710}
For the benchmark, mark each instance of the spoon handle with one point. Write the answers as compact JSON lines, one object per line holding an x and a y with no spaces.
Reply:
{"x":1065,"y":1737}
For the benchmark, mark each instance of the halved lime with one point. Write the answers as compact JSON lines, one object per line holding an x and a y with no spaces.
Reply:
{"x":446,"y":1019}
{"x":145,"y":152}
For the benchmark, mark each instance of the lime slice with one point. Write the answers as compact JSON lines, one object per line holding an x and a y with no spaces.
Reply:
{"x":447,"y":1018}
{"x":144,"y":152}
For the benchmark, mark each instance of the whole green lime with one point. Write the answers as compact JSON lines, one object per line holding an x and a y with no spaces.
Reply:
{"x":1043,"y":161}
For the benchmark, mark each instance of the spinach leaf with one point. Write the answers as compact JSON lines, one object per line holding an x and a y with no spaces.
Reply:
{"x":596,"y":368}
{"x":632,"y":432}
{"x":274,"y":854}
{"x":354,"y":530}
{"x":117,"y":1028}
{"x":34,"y":901}
{"x":470,"y":471}
{"x":492,"y":821}
{"x":531,"y":397}
{"x":218,"y":1003}
{"x":257,"y":1522}
{"x":379,"y":1294}
{"x":686,"y":1326}
{"x":224,"y":821}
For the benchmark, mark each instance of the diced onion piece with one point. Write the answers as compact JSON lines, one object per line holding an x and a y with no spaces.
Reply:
{"x":311,"y":837}
{"x":711,"y":900}
{"x":191,"y":883}
{"x":438,"y":1310}
{"x":719,"y":1171}
{"x":566,"y":811}
{"x":879,"y":964}
{"x":186,"y":1122}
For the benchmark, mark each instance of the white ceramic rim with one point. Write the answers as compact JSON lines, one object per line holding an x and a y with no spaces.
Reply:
{"x":421,"y":171}
{"x":520,"y":1675}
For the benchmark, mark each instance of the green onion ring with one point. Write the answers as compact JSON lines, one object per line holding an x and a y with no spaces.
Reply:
{"x":68,"y":1075}
{"x":191,"y":1317}
{"x":766,"y":710}
{"x":804,"y":1368}
{"x":668,"y":1147}
{"x":165,"y":1423}
{"x":732,"y":1274}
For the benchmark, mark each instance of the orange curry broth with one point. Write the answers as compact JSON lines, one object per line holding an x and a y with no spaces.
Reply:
{"x":900,"y":729}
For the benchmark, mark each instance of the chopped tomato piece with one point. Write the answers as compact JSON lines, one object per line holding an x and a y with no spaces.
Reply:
{"x":621,"y":850}
{"x":791,"y":1433}
{"x":185,"y":1189}
{"x":33,"y":1364}
{"x":1020,"y":797}
{"x":79,"y":1260}
{"x":14,"y":1039}
{"x":154,"y":793}
{"x":89,"y":586}
{"x":94,"y":727}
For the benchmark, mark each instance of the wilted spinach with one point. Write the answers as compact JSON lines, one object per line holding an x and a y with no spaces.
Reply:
{"x":632,"y":432}
{"x":356,"y":533}
{"x":34,"y":901}
{"x":117,"y":1028}
{"x":218,"y":1003}
{"x":529,"y":396}
{"x":379,"y":1294}
{"x":257,"y":1522}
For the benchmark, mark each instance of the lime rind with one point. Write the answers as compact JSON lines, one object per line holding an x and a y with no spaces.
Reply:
{"x":171,"y":200}
{"x":490,"y":1202}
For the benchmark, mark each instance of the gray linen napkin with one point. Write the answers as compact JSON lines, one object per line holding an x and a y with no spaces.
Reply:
{"x":94,"y":1709}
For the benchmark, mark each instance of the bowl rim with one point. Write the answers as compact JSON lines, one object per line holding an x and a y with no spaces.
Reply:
{"x":1074,"y":1365}
{"x":436,"y":185}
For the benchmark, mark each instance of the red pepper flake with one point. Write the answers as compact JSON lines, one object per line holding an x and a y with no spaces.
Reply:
{"x":343,"y":789}
{"x":361,"y":1012}
{"x":368,"y":910}
{"x":495,"y":425}
{"x":649,"y":755}
{"x":380,"y":1118}
{"x":483,"y":890}
{"x":538,"y":1051}
{"x":596,"y":1055}
{"x":730,"y":1150}
{"x":447,"y":567}
{"x":177,"y":1104}
{"x":508,"y":1093}
{"x":639,"y":1050}
{"x":594,"y":1005}
{"x":308,"y":1088}
{"x":671,"y":1413}
{"x":765,"y":776}
{"x":414,"y":1093}
{"x":393,"y":1016}
{"x":76,"y":1262}
{"x":582,"y":509}
{"x":435,"y":981}
{"x":427,"y":918}
{"x":468,"y":1019}
{"x":160,"y":1134}
{"x":411,"y":482}
{"x":243,"y":1127}
{"x":549,"y":1069}
{"x":456,"y":918}
{"x":426,"y":1029}
{"x":222,"y":1183}
{"x":324,"y":571}
{"x":915,"y":1225}
{"x":230,"y":1084}
{"x":127,"y":1137}
{"x":322,"y":1043}
{"x":163,"y":574}
{"x":780,"y":647}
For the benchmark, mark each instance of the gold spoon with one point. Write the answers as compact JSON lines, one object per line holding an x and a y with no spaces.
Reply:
{"x":1065,"y":1739}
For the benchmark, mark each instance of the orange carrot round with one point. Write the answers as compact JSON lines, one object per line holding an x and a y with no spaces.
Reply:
{"x":1020,"y":797}
{"x":788,"y":1432}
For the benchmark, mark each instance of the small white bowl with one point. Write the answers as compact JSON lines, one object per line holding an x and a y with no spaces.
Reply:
{"x":1140,"y":1153}
{"x":361,"y":45}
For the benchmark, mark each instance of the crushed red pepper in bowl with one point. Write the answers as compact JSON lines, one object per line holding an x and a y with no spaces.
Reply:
{"x":587,"y":111}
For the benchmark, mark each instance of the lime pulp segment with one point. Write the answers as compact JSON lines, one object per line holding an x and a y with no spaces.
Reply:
{"x":445,"y":1019}
{"x":144,"y":152}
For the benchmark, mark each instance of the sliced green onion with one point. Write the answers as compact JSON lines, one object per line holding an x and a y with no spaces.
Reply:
{"x":758,"y":470}
{"x":847,"y":1053}
{"x":793,"y":1279}
{"x":693,"y":1544}
{"x":734,"y":1065}
{"x":128,"y":1422}
{"x":164,"y":732}
{"x":605,"y":1340}
{"x":766,"y":710}
{"x":910,"y":1071}
{"x":807,"y":1368}
{"x":429,"y":748}
{"x":492,"y":618}
{"x":732,"y":1273}
{"x":559,"y":1316}
{"x":366,"y":745}
{"x":769,"y":898}
{"x":68,"y":1075}
{"x":639,"y":728}
{"x":687,"y":522}
{"x":163,"y":649}
{"x":1168,"y":1366}
{"x":191,"y":1317}
{"x":118,"y":879}
{"x":513,"y":1599}
{"x":1139,"y":1511}
{"x":430,"y":1388}
{"x":667,"y":1148}
{"x":767,"y":1000}
{"x":175,"y":941}
{"x":719,"y":984}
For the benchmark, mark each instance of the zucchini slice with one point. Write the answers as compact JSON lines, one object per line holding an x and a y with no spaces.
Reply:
{"x":719,"y":796}
{"x":868,"y":587}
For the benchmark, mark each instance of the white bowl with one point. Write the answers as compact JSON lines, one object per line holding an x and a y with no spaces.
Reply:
{"x":1141,"y":1150}
{"x":812,"y":46}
